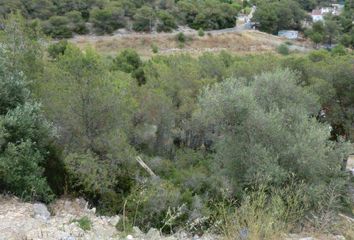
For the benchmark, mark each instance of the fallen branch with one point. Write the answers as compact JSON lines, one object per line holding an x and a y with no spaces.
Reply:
{"x":146,"y":167}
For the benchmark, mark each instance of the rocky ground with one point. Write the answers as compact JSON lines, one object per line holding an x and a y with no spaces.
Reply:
{"x":61,"y":221}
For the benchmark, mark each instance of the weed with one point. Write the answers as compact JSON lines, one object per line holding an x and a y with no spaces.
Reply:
{"x":84,"y":223}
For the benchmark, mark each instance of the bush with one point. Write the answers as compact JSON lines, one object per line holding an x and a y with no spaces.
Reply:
{"x":77,"y":23}
{"x":201,"y":32}
{"x":107,"y":20}
{"x":144,"y":19}
{"x":87,"y":175}
{"x":127,"y":61}
{"x":317,"y":56}
{"x":58,"y":27}
{"x":22,"y":174}
{"x":57,"y":49}
{"x":152,"y":204}
{"x":154,"y":48}
{"x":181,"y":38}
{"x":283,"y":49}
{"x":347,"y":40}
{"x":339,"y":50}
{"x":166,"y":22}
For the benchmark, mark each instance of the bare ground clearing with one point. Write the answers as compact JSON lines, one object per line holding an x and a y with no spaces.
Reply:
{"x":233,"y":41}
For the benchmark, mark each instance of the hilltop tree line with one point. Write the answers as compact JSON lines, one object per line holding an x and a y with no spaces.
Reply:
{"x":63,"y":18}
{"x":216,"y":129}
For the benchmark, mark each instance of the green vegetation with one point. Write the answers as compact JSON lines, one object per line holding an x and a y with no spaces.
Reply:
{"x":154,"y":48}
{"x":201,"y":32}
{"x":236,"y":141}
{"x":180,"y":37}
{"x":283,"y":49}
{"x":84,"y":223}
{"x":63,"y":18}
{"x":274,"y":16}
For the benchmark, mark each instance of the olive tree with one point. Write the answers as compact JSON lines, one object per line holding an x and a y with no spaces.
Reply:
{"x":263,"y":133}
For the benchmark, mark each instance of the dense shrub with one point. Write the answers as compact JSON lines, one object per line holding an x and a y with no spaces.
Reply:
{"x":87,"y":175}
{"x":107,"y":20}
{"x":21,"y":173}
{"x":77,"y":23}
{"x":166,"y":22}
{"x":144,"y":19}
{"x":127,"y":61}
{"x":256,"y":112}
{"x":25,"y":134}
{"x":58,"y":27}
{"x":152,"y":204}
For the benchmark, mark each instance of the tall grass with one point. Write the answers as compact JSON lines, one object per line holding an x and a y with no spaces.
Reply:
{"x":262,"y":214}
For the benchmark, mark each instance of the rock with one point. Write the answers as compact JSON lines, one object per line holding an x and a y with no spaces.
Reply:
{"x":137,"y":232}
{"x":130,"y":237}
{"x":181,"y":235}
{"x":307,"y":238}
{"x":92,"y":210}
{"x":69,"y":238}
{"x":244,"y":233}
{"x":114,"y":220}
{"x":170,"y":238}
{"x":196,"y":237}
{"x":153,"y":234}
{"x":40,"y":211}
{"x":339,"y":237}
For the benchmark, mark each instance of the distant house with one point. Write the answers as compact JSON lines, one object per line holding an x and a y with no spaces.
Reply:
{"x":317,"y":15}
{"x":289,"y":34}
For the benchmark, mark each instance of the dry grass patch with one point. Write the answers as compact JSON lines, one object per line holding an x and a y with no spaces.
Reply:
{"x":245,"y":42}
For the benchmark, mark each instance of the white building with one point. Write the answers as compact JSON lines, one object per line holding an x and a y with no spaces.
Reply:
{"x":317,"y":15}
{"x":289,"y":34}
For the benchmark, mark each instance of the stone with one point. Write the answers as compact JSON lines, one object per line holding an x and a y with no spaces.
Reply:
{"x":92,"y":210}
{"x":153,"y":234}
{"x":196,"y":237}
{"x":41,"y":212}
{"x":130,"y":237}
{"x":114,"y":220}
{"x":137,"y":231}
{"x":69,"y":238}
